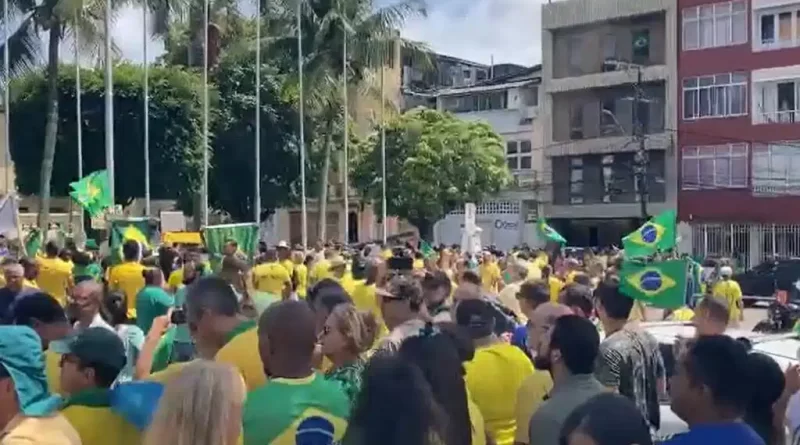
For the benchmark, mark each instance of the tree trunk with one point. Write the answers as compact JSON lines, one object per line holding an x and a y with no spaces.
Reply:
{"x":425,"y":229}
{"x":51,"y":128}
{"x":323,"y":188}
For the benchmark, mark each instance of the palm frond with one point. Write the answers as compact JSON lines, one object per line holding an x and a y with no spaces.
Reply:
{"x":24,"y":46}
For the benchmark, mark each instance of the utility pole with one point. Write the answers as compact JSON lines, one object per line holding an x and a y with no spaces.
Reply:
{"x":641,"y":161}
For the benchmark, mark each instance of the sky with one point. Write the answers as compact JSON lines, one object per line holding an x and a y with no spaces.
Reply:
{"x":507,"y":31}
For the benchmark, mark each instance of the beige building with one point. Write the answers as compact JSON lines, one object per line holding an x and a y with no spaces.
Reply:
{"x":592,"y":54}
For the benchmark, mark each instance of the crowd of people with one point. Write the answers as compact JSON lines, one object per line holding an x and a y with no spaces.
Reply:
{"x":365,"y":346}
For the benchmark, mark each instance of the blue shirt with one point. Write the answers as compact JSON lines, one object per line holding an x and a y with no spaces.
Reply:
{"x":733,"y":433}
{"x":519,"y":338}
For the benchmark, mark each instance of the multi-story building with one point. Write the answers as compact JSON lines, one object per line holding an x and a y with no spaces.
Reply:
{"x":739,"y":128}
{"x":593,"y":55}
{"x":510,"y":105}
{"x":421,"y":83}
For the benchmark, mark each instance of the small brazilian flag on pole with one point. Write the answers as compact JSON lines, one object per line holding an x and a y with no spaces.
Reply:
{"x":92,"y":192}
{"x":547,"y":233}
{"x":136,"y":229}
{"x":656,"y":234}
{"x":661,"y":284}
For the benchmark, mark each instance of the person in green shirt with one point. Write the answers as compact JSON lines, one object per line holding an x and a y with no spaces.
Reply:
{"x":297,"y":405}
{"x":152,"y":301}
{"x":85,"y":268}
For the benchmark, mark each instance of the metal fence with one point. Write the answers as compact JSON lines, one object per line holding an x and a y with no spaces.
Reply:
{"x":747,"y":244}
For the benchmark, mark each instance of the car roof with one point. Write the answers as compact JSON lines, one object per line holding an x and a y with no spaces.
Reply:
{"x":783,"y":348}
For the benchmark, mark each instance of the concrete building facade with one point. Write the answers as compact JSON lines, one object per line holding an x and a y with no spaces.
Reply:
{"x":592,"y":55}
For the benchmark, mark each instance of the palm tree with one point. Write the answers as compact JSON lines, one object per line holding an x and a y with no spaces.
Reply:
{"x":59,"y":19}
{"x":372,"y":33}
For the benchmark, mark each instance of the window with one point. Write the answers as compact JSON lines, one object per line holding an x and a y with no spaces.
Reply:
{"x":714,"y":166}
{"x":610,"y":47}
{"x":496,"y":100}
{"x":576,"y":122}
{"x":576,"y":180}
{"x":519,"y":155}
{"x":641,"y":45}
{"x":480,"y":75}
{"x":608,"y":177}
{"x":574,"y":53}
{"x":608,"y":121}
{"x":777,"y":102}
{"x":530,"y":96}
{"x":643,"y":115}
{"x":776,"y":168}
{"x":714,"y":25}
{"x":779,"y":28}
{"x":721,"y":95}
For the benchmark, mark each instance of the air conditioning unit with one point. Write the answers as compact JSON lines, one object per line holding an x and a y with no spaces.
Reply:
{"x":526,"y":179}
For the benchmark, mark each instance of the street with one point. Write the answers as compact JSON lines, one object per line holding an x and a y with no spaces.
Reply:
{"x":751,"y":316}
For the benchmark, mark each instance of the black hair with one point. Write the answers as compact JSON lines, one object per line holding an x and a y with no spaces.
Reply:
{"x":395,"y":406}
{"x":768,"y":377}
{"x":477,"y":317}
{"x":582,"y":279}
{"x":166,"y":260}
{"x":51,"y":248}
{"x":29,"y":268}
{"x":81,"y":258}
{"x":104,"y":375}
{"x":578,"y":295}
{"x":150,"y":274}
{"x":616,"y":304}
{"x":65,"y":254}
{"x":609,"y":419}
{"x":4,"y":374}
{"x":39,"y":307}
{"x":437,"y":279}
{"x":130,"y":250}
{"x":407,"y":288}
{"x":469,"y":276}
{"x":324,"y":286}
{"x":460,"y":338}
{"x":440,"y":362}
{"x":116,"y":308}
{"x":328,"y":296}
{"x":578,"y":341}
{"x":211,"y":293}
{"x":721,"y":364}
{"x":535,"y":292}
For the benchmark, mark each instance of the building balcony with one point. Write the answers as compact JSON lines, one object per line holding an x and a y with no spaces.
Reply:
{"x":611,"y":78}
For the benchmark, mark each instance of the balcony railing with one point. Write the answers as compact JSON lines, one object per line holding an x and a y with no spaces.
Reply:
{"x":779,"y":117}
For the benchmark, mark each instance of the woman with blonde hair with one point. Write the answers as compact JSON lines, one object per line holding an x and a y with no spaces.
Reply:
{"x":202,"y":405}
{"x":348,"y":333}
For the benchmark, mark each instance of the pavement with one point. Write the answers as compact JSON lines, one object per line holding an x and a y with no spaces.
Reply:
{"x":751,"y":316}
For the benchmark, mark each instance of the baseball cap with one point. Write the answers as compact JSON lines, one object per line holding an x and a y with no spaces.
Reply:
{"x":98,"y":346}
{"x":282,"y":245}
{"x":22,"y":358}
{"x":401,"y":288}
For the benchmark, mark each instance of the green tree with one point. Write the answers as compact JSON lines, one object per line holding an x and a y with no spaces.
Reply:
{"x":175,"y":130}
{"x":435,"y":163}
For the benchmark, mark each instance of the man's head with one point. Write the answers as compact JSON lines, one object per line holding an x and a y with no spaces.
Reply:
{"x":612,"y":305}
{"x":477,"y":317}
{"x":43,"y":314}
{"x":30,"y":268}
{"x":436,"y":287}
{"x":130,"y":250}
{"x":87,"y":298}
{"x":231,"y":246}
{"x":327,"y":294}
{"x":338,"y":266}
{"x":726,"y":272}
{"x":210,"y":305}
{"x":531,"y":295}
{"x":400,"y":301}
{"x":283,"y":250}
{"x":709,"y":378}
{"x":14,"y":274}
{"x":93,"y":360}
{"x":470,"y":277}
{"x":571,"y":348}
{"x":517,"y":272}
{"x":711,"y":316}
{"x":376,"y":271}
{"x":51,"y":249}
{"x":286,"y":339}
{"x":541,"y":322}
{"x":579,"y":298}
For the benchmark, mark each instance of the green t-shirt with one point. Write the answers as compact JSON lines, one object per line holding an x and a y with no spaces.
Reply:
{"x":151,"y":302}
{"x":93,"y":270}
{"x":291,"y":411}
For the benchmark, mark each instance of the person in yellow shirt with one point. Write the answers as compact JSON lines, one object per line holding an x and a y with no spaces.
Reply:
{"x":55,"y":275}
{"x":340,"y":273}
{"x":31,"y":272}
{"x":729,"y":290}
{"x":494,"y":376}
{"x":553,"y":283}
{"x":284,"y":257}
{"x":89,"y":366}
{"x":271,"y":277}
{"x":321,"y":268}
{"x":128,"y":276}
{"x":573,"y":269}
{"x":491,"y":276}
{"x":301,"y":274}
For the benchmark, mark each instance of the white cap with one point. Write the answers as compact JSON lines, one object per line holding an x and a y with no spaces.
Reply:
{"x":725,"y":271}
{"x":283,"y":245}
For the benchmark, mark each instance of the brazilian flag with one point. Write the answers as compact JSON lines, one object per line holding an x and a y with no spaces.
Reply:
{"x":656,"y":234}
{"x":136,"y":229}
{"x":660,"y":284}
{"x":547,"y":233}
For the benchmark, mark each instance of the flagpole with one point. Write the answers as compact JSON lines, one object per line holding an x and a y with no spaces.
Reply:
{"x":258,"y":114}
{"x":146,"y":114}
{"x":205,"y":112}
{"x":7,"y":101}
{"x":109,"y":111}
{"x":78,"y":109}
{"x":383,"y":158}
{"x":304,"y":209}
{"x":346,"y":237}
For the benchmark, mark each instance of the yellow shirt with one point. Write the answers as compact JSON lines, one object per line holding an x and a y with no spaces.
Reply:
{"x":175,"y":280}
{"x":556,"y":286}
{"x":683,"y":313}
{"x":301,"y":275}
{"x":534,"y":271}
{"x":288,"y":265}
{"x":271,"y":277}
{"x":47,"y":430}
{"x":478,"y":425}
{"x":348,"y":283}
{"x":127,"y":277}
{"x":320,"y":271}
{"x":55,"y":277}
{"x":96,"y":424}
{"x":531,"y":394}
{"x":490,"y":276}
{"x":386,"y":254}
{"x":730,"y":291}
{"x":365,"y":300}
{"x":52,"y":371}
{"x":571,"y":276}
{"x":241,"y":352}
{"x":418,"y":264}
{"x":30,"y":283}
{"x":494,"y":377}
{"x":167,"y":373}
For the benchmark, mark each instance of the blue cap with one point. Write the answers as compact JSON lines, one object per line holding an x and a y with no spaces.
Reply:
{"x":22,"y":357}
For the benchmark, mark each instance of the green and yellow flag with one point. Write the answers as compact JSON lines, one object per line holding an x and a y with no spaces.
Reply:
{"x":547,"y":233}
{"x":136,"y":229}
{"x":660,"y":284}
{"x":33,"y":242}
{"x":426,"y":249}
{"x":92,"y":192}
{"x":215,"y":237}
{"x":659,"y":233}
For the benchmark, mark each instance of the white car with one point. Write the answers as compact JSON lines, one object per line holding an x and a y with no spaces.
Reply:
{"x":783,"y":348}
